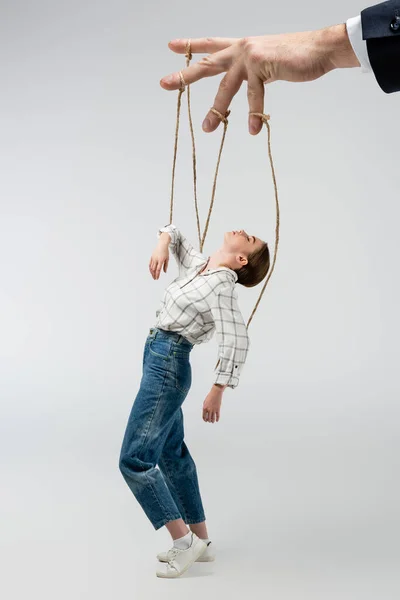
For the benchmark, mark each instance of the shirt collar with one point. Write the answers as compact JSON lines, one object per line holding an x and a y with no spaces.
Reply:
{"x":209,"y":271}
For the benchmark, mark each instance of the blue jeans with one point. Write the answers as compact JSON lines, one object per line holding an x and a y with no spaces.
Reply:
{"x":154,"y":435}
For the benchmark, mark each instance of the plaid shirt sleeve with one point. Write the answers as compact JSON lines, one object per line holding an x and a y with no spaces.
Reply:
{"x":185,"y":254}
{"x":232,"y":336}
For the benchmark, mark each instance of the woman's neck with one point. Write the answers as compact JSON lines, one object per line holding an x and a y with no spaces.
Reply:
{"x":218,"y":259}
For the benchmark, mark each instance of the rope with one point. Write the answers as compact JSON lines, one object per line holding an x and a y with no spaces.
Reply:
{"x":265,"y":119}
{"x":188,"y":59}
{"x":224,"y":120}
{"x":178,"y":111}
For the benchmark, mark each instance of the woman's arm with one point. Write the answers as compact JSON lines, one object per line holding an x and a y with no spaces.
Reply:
{"x":232,"y":336}
{"x":233,"y":343}
{"x":185,"y":254}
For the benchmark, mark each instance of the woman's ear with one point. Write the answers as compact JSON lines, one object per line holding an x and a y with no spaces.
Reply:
{"x":242,"y":260}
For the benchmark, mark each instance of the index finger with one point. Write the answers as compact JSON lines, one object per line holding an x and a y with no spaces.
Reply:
{"x":201,"y":45}
{"x":208,"y":66}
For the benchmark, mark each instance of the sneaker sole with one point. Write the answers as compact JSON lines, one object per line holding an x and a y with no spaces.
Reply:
{"x":166,"y":576}
{"x":200,"y":559}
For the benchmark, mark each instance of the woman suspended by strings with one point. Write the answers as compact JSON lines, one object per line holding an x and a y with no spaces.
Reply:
{"x":202,"y":300}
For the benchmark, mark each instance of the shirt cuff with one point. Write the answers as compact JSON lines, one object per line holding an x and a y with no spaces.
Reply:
{"x":354,"y":30}
{"x":227,"y":379}
{"x":171,"y":229}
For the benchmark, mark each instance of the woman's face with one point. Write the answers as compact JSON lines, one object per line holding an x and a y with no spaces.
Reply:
{"x":240,"y":242}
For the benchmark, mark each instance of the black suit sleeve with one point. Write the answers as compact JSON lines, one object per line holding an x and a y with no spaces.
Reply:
{"x":381,"y":30}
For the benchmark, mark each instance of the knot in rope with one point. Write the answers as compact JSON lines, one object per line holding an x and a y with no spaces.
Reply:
{"x":188,"y":52}
{"x":183,"y":82}
{"x":221,"y":117}
{"x":262,"y":116}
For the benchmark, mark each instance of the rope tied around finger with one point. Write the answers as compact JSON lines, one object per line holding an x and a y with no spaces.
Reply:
{"x":188,"y":53}
{"x":263,"y":117}
{"x":221,"y":117}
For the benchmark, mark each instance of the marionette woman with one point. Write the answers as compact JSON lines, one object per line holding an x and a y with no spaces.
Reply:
{"x":155,"y":460}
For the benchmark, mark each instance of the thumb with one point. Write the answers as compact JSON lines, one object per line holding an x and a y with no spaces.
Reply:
{"x":166,"y":265}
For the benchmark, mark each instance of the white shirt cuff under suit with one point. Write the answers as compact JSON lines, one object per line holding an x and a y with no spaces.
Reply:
{"x":354,"y":30}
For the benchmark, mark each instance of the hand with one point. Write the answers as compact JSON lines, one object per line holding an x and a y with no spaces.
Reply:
{"x":212,"y":404}
{"x":294,"y":57}
{"x":159,"y":259}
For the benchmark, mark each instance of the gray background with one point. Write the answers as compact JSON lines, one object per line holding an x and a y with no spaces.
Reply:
{"x":300,"y":476}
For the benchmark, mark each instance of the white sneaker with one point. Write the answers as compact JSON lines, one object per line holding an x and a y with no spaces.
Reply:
{"x":207,"y":556}
{"x":179,"y":561}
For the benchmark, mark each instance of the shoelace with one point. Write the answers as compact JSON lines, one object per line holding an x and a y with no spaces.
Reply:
{"x":173,"y":552}
{"x":170,"y":557}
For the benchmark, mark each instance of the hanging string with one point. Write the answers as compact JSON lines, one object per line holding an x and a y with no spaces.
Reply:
{"x":188,"y":59}
{"x":223,"y":119}
{"x":178,"y":112}
{"x":265,"y":119}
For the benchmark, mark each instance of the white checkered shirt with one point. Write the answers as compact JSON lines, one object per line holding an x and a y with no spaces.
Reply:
{"x":196,"y":306}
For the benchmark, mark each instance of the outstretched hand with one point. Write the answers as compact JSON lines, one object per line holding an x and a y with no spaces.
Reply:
{"x":159,"y":260}
{"x":296,"y":57}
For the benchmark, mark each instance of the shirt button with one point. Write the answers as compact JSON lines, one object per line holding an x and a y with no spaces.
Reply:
{"x":395,"y":24}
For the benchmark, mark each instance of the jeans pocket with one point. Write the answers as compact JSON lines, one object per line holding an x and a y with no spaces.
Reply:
{"x":183,"y":371}
{"x":160,"y":347}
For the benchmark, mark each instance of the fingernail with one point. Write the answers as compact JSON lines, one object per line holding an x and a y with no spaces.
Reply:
{"x":253,"y":127}
{"x":169,"y":79}
{"x":207,"y":124}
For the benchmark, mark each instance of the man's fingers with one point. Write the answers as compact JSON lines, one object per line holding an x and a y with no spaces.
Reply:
{"x":255,"y":96}
{"x":158,"y":269}
{"x":228,"y":87}
{"x":206,"y":67}
{"x":166,"y":265}
{"x":202,"y":45}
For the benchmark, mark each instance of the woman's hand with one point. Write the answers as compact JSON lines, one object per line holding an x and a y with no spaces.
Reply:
{"x":212,"y":404}
{"x":296,"y":57}
{"x":159,"y":260}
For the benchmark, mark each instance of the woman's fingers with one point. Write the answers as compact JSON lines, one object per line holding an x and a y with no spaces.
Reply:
{"x":166,"y":265}
{"x":255,"y":96}
{"x":202,"y":45}
{"x":228,"y":87}
{"x":210,"y":416}
{"x":206,"y":67}
{"x":155,"y":268}
{"x":158,"y":269}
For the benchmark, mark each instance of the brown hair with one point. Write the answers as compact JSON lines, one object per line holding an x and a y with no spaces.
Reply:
{"x":256,"y":269}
